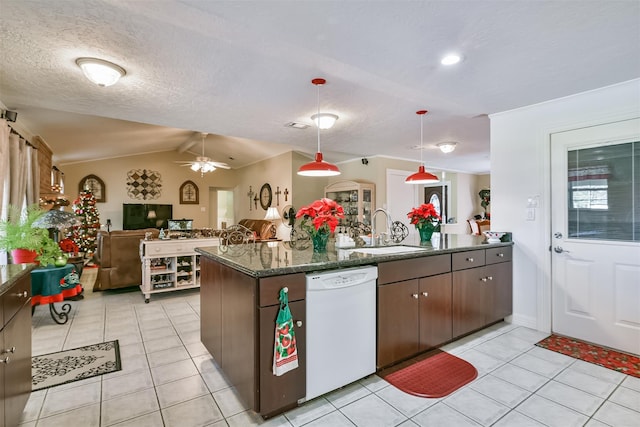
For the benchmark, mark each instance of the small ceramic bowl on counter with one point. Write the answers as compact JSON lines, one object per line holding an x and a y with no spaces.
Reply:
{"x":494,"y":236}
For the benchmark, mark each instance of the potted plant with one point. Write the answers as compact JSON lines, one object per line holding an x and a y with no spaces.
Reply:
{"x":25,"y":242}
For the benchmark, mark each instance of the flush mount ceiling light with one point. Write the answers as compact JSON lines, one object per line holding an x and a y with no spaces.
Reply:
{"x":318,"y":167}
{"x":421,"y":177}
{"x":451,"y":59}
{"x":324,"y":120}
{"x":447,"y":147}
{"x":103,"y":73}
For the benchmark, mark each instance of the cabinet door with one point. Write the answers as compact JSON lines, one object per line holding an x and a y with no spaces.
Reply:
{"x":17,"y":371}
{"x":211,"y":300}
{"x":3,"y":369}
{"x":469,"y":300}
{"x":435,"y":311}
{"x":283,"y":391}
{"x":397,"y":321}
{"x":500,"y":292}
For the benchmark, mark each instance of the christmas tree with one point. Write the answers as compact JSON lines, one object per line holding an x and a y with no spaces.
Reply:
{"x":84,"y":235}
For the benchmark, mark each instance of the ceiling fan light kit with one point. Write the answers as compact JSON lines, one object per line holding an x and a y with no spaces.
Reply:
{"x":204,"y":164}
{"x":319,"y":167}
{"x":422,"y":176}
{"x":101,"y":72}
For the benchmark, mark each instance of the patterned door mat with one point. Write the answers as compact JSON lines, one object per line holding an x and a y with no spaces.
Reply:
{"x":606,"y":357}
{"x":438,"y":375}
{"x":62,"y":367}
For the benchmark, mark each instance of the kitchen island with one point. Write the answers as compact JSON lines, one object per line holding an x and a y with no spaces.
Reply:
{"x":425,"y":297}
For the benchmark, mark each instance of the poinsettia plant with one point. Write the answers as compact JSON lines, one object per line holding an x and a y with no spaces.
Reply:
{"x":68,"y":246}
{"x":321,"y":216}
{"x":424,"y":215}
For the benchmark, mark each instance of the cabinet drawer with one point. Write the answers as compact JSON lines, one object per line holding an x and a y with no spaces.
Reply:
{"x":501,"y":254}
{"x":269,"y":291}
{"x":468,"y":259}
{"x":165,"y":249}
{"x":413,"y":268}
{"x":16,"y":297}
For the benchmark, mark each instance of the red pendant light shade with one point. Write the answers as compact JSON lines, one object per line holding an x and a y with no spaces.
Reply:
{"x":318,"y":167}
{"x":422,"y":176}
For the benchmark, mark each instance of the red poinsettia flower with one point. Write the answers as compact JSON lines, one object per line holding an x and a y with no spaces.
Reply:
{"x":423,"y":214}
{"x":324,"y":215}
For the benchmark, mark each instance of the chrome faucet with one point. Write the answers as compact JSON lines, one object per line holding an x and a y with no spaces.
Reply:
{"x":377,"y":240}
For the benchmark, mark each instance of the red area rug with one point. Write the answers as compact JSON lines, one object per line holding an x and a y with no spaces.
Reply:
{"x":436,"y":376}
{"x":606,"y":357}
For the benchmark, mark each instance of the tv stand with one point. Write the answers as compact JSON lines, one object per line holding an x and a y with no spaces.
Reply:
{"x":171,"y":264}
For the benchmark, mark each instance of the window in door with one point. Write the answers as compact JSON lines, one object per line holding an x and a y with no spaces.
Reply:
{"x":604,"y":192}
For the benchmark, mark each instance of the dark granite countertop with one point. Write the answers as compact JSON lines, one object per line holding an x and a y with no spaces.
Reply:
{"x":277,"y":258}
{"x":10,"y":273}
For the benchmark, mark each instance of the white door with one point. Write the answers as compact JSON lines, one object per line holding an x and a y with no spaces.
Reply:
{"x":595,"y":224}
{"x":401,"y":197}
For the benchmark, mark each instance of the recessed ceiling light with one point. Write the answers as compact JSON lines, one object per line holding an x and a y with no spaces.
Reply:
{"x":451,"y":59}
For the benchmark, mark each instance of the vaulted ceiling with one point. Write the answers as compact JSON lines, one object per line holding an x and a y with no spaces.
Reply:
{"x":241,"y":70}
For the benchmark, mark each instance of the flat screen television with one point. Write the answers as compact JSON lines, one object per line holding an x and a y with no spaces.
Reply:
{"x":137,"y":215}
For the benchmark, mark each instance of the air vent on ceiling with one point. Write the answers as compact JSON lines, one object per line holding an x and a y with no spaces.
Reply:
{"x":296,"y":125}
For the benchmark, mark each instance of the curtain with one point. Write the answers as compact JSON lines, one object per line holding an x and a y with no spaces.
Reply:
{"x":17,"y":170}
{"x":5,"y":130}
{"x":33,"y":175}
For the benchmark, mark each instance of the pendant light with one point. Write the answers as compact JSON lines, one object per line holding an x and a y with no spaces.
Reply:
{"x":421,"y":177}
{"x":318,"y":167}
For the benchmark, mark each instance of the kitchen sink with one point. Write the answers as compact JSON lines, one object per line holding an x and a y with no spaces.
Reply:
{"x":383,"y":250}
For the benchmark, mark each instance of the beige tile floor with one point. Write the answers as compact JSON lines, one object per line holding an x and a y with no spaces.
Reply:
{"x":169,"y":378}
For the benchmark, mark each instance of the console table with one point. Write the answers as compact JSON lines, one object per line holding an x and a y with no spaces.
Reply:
{"x":47,"y":287}
{"x":171,"y":264}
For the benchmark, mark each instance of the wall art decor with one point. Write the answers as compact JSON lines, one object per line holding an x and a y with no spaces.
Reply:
{"x":94,"y":184}
{"x":189,"y":193}
{"x":144,"y":184}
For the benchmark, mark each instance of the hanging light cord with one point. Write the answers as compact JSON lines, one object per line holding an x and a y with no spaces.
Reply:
{"x":421,"y":148}
{"x":318,"y":124}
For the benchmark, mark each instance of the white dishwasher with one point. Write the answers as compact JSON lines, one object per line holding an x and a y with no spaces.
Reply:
{"x":341,"y":328}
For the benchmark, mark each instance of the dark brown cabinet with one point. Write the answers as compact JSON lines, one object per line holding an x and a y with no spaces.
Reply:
{"x":434,"y":296}
{"x":15,"y":353}
{"x":482,"y":294}
{"x":237,"y":315}
{"x":398,"y":322}
{"x":413,"y":314}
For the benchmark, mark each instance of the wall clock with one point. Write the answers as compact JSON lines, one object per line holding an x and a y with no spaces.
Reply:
{"x":95,"y":185}
{"x":265,"y":196}
{"x":189,"y":193}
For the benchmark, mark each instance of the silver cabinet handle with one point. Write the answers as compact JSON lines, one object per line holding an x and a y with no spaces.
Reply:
{"x":426,"y":294}
{"x":5,"y":360}
{"x":415,"y":296}
{"x":500,"y":255}
{"x":299,"y":323}
{"x":470,"y":259}
{"x":9,"y":350}
{"x":484,"y":279}
{"x":490,"y":277}
{"x":23,"y":294}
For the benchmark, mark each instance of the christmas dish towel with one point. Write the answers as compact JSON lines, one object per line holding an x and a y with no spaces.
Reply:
{"x":285,"y":352}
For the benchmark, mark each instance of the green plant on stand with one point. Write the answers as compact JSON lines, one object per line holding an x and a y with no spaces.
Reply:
{"x":18,"y":235}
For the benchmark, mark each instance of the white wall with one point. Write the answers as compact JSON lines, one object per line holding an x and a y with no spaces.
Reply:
{"x":520,"y":169}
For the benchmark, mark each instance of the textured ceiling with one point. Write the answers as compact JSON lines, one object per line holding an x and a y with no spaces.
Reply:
{"x":242,"y":69}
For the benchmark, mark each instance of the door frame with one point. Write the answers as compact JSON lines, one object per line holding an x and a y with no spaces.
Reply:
{"x":544,"y":282}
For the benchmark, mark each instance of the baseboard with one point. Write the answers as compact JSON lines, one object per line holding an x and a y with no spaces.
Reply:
{"x":526,"y":321}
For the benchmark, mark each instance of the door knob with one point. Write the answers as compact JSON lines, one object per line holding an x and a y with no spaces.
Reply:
{"x":559,"y":250}
{"x":557,"y":235}
{"x":299,"y":323}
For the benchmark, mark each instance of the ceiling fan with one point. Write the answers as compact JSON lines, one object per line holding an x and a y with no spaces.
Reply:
{"x":202,"y":163}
